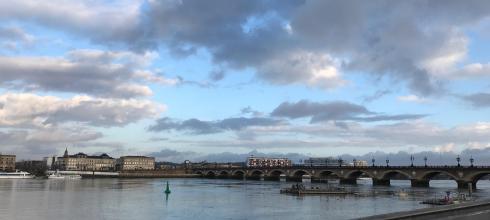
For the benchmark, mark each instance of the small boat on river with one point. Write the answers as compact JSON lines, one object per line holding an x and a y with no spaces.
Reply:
{"x":61,"y":176}
{"x":437,"y":201}
{"x":447,"y":200}
{"x":16,"y":175}
{"x":300,"y":189}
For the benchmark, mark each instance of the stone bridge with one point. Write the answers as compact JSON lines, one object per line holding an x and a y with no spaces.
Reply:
{"x":381,"y":175}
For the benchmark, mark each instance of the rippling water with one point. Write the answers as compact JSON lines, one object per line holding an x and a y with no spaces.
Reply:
{"x":203,"y":199}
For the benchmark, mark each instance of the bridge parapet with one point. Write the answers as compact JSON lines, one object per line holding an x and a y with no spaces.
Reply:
{"x":381,"y":175}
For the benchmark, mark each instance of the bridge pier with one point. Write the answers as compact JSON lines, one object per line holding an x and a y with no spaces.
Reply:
{"x":294,"y":179}
{"x":381,"y":182}
{"x":419,"y":183}
{"x":238,"y":177}
{"x":222,"y":177}
{"x":256,"y":177}
{"x":319,"y":180}
{"x":465,"y":184}
{"x":350,"y":181}
{"x":272,"y":178}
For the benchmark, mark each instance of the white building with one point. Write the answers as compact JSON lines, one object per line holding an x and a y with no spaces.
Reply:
{"x":50,"y":161}
{"x":268,"y":162}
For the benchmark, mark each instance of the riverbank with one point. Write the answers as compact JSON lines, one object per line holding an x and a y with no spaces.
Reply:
{"x":157,"y":174}
{"x":132,"y":174}
{"x":470,"y":210}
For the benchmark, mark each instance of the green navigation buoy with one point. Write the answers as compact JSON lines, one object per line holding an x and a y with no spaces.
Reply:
{"x":167,"y":190}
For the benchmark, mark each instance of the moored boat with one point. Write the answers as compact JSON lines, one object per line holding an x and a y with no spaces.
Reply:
{"x":60,"y":176}
{"x":16,"y":175}
{"x":299,"y":189}
{"x":438,"y":201}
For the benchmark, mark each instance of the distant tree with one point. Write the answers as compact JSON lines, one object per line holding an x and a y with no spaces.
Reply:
{"x":37,"y":168}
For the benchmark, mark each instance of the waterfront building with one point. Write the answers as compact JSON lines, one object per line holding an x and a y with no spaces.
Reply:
{"x":135,"y":163}
{"x":84,"y":162}
{"x":321,"y":161}
{"x":360,"y":163}
{"x":268,"y":162}
{"x":219,"y":165}
{"x":168,"y":166}
{"x":7,"y":162}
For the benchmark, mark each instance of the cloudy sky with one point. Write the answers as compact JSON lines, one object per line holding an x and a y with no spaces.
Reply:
{"x":185,"y":79}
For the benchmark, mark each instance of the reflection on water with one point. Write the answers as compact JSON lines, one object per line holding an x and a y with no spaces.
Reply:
{"x":205,"y":199}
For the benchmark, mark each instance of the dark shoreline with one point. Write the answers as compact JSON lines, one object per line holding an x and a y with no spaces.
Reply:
{"x":467,"y":210}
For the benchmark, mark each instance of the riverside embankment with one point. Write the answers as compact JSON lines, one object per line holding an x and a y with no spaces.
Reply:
{"x":175,"y":173}
{"x":472,"y":210}
{"x":158,"y":174}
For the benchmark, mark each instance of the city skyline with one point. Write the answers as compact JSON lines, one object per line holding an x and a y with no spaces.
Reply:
{"x":222,"y":79}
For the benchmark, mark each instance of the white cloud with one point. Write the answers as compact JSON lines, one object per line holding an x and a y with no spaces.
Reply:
{"x":32,"y":144}
{"x":444,"y":148}
{"x":412,"y":98}
{"x":472,"y":70}
{"x":419,"y":134}
{"x":26,"y":110}
{"x":290,"y":43}
{"x":317,"y":69}
{"x":443,"y":60}
{"x":94,"y":72}
{"x":103,"y":20}
{"x":13,"y":38}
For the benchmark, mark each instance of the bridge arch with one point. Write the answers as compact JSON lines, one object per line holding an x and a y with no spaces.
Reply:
{"x":211,"y":174}
{"x":300,"y":173}
{"x":275,"y":174}
{"x":354,"y":174}
{"x":238,"y":174}
{"x":399,"y":177}
{"x":391,"y":173}
{"x":477,"y":176}
{"x":255,"y":174}
{"x":432,"y":173}
{"x":223,"y":174}
{"x":429,"y":175}
{"x":297,"y":175}
{"x":326,"y":173}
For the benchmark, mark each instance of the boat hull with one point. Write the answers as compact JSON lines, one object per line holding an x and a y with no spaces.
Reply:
{"x":16,"y":177}
{"x":65,"y":177}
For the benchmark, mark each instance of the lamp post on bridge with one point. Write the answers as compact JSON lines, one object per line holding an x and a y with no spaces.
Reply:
{"x":373,"y":160}
{"x":411,"y":159}
{"x":340,"y":162}
{"x":425,"y":160}
{"x":458,"y":159}
{"x":471,"y":161}
{"x":354,"y":161}
{"x":387,"y":162}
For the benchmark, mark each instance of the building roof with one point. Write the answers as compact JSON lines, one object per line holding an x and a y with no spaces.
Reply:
{"x":268,"y":158}
{"x":137,"y":157}
{"x":83,"y":155}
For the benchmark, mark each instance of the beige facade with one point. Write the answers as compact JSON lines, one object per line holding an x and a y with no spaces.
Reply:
{"x":7,"y":162}
{"x":136,"y":163}
{"x":83,"y":162}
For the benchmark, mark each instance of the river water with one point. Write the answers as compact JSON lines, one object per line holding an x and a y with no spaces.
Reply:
{"x":205,"y":199}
